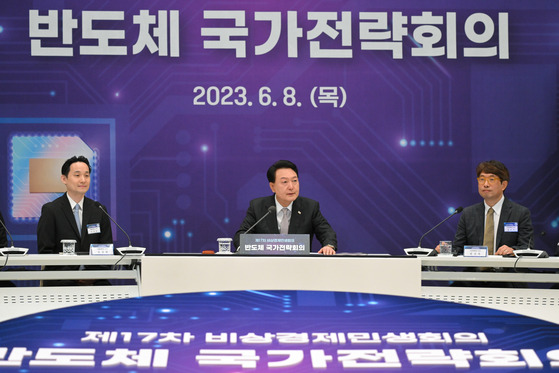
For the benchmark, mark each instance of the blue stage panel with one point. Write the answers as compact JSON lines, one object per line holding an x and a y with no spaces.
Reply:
{"x":295,"y":331}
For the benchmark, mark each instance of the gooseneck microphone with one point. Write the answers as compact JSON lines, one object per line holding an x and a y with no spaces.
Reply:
{"x":528,"y":252}
{"x":457,"y":211}
{"x":11,"y":250}
{"x":429,"y":252}
{"x":123,"y":250}
{"x":7,"y":231}
{"x":271,"y":209}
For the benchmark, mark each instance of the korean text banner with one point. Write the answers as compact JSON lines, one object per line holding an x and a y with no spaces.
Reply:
{"x":278,"y":331}
{"x":386,"y":107}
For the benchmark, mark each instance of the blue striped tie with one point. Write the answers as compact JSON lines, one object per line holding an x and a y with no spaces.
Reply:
{"x":77,"y":217}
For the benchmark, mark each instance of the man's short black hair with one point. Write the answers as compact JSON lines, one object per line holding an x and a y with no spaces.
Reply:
{"x":74,"y":159}
{"x":271,"y":174}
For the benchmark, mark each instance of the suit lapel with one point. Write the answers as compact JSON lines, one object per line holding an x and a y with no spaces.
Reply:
{"x":480,"y":223}
{"x":87,"y":214}
{"x":296,"y":216}
{"x":271,"y":220}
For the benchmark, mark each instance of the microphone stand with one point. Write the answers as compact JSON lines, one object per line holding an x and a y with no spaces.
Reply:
{"x":270,"y":210}
{"x":530,"y":253}
{"x":419,"y":251}
{"x":11,"y":250}
{"x":130,"y":250}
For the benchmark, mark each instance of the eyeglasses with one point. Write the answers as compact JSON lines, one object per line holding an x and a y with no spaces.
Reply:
{"x":490,"y":180}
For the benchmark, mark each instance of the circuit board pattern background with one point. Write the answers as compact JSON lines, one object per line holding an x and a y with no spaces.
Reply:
{"x":388,"y":166}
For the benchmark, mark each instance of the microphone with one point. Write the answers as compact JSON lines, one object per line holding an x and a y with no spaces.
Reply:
{"x":130,"y":250}
{"x":457,"y":211}
{"x":530,"y":252}
{"x":11,"y":250}
{"x":271,"y":209}
{"x":429,"y":252}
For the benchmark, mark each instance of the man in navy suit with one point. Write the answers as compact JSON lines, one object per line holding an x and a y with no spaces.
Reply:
{"x":512,"y":224}
{"x":304,"y":213}
{"x":58,"y":221}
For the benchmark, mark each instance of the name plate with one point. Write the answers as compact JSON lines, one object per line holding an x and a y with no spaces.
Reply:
{"x":475,"y":251}
{"x":275,"y":244}
{"x":101,"y":249}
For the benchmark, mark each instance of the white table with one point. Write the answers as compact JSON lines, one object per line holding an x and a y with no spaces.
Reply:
{"x":534,"y":302}
{"x":20,"y":301}
{"x":494,"y":261}
{"x":167,"y":274}
{"x":351,"y":273}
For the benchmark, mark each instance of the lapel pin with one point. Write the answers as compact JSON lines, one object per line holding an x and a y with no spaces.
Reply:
{"x":299,"y":212}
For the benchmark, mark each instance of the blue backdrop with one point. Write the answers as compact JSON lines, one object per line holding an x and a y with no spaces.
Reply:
{"x":385,"y":106}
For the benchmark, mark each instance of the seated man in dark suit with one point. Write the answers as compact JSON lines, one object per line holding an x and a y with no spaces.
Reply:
{"x":497,"y":222}
{"x":73,"y":216}
{"x":303,"y":214}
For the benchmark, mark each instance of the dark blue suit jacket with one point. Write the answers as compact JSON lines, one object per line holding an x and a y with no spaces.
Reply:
{"x":57,"y":223}
{"x":305,"y":219}
{"x":472,"y":223}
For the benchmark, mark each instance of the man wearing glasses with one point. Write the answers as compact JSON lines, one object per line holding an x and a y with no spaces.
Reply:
{"x":498,"y":223}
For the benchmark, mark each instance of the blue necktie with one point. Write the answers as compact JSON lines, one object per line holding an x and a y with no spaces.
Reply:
{"x":77,"y":217}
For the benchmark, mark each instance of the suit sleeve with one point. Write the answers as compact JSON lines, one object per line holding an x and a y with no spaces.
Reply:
{"x":249,"y":220}
{"x":322,"y":229}
{"x":46,"y":231}
{"x":461,"y":236}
